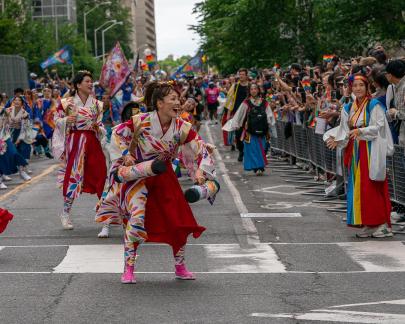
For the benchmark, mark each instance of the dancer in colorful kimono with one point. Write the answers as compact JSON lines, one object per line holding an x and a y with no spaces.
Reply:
{"x":20,"y":128}
{"x":77,"y":143}
{"x":145,"y":195}
{"x":256,"y":119}
{"x":11,"y":160}
{"x":44,"y":111}
{"x":366,"y":136}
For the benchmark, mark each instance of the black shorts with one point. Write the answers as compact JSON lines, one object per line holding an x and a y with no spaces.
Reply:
{"x":213,"y":106}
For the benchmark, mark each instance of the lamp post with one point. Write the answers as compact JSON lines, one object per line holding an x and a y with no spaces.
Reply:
{"x":103,"y":33}
{"x":95,"y":33}
{"x":85,"y":15}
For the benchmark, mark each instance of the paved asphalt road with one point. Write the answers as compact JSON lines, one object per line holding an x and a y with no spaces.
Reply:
{"x":289,"y":261}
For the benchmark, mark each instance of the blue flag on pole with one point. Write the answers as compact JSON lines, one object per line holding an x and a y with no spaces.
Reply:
{"x":195,"y":64}
{"x":63,"y":56}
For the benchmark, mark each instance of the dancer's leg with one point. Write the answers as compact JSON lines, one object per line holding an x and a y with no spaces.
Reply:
{"x":181,"y":270}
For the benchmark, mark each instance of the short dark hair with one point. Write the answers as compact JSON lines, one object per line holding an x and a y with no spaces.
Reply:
{"x":126,"y":113}
{"x":243,"y":70}
{"x":379,"y":77}
{"x":396,"y":68}
{"x":296,"y":66}
{"x":18,"y":90}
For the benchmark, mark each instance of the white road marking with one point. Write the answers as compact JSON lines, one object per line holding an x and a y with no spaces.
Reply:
{"x":377,"y":256}
{"x":252,"y":236}
{"x":288,"y":192}
{"x":257,"y":259}
{"x":92,"y":259}
{"x":345,"y":316}
{"x":271,"y":215}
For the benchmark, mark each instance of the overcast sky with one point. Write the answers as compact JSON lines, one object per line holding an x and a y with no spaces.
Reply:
{"x":172,"y":17}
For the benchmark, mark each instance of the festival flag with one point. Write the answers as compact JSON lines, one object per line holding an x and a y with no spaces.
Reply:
{"x":306,"y":84}
{"x":327,"y":58}
{"x":195,"y":64}
{"x":63,"y":56}
{"x":150,"y":61}
{"x":115,"y":70}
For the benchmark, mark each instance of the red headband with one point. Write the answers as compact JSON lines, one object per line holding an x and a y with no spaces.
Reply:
{"x":361,"y":77}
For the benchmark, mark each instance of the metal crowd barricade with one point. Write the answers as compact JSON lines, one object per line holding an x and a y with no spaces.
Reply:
{"x":399,"y":174}
{"x":301,"y":142}
{"x":308,"y":146}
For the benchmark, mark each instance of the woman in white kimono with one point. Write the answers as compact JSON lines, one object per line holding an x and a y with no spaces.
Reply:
{"x":145,"y":195}
{"x":256,"y":118}
{"x":365,"y":134}
{"x":77,"y":144}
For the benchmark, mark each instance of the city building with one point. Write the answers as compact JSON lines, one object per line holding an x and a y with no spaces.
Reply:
{"x":57,"y":10}
{"x":143,"y":21}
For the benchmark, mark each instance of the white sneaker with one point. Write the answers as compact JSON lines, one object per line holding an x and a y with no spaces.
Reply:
{"x":24,"y":176}
{"x":382,"y":231}
{"x":6,"y":178}
{"x":66,"y":222}
{"x":2,"y":185}
{"x":365,"y":232}
{"x":28,"y":170}
{"x":105,"y":231}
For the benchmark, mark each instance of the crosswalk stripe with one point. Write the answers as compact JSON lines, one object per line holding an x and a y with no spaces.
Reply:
{"x":227,"y":258}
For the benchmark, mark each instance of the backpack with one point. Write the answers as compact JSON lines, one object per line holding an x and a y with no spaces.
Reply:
{"x":257,"y":119}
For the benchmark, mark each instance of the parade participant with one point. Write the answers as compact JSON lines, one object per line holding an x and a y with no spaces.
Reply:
{"x":145,"y":195}
{"x":236,"y":95}
{"x":10,"y":160}
{"x":44,"y":111}
{"x":365,"y":133}
{"x":20,"y":130}
{"x":76,"y":143}
{"x":256,"y":119}
{"x":41,"y":141}
{"x":111,"y":115}
{"x":212,"y":94}
{"x":5,"y":218}
{"x":129,"y":110}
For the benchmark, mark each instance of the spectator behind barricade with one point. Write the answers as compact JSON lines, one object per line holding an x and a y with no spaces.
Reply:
{"x":396,"y":75}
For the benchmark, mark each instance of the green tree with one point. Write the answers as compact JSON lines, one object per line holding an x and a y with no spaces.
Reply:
{"x":100,"y":15}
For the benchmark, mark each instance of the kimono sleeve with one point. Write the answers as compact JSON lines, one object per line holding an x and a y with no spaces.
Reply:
{"x":237,"y":120}
{"x":341,"y":132}
{"x":121,"y":140}
{"x":196,"y":150}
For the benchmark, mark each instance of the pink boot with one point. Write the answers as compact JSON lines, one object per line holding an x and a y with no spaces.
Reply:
{"x":182,"y":273}
{"x":128,"y":277}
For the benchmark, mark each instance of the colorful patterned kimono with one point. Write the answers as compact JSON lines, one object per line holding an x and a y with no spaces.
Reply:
{"x":83,"y":162}
{"x":44,"y":111}
{"x":368,"y":201}
{"x":153,"y":207}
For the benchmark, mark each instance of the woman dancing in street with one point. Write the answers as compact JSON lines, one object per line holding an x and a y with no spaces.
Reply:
{"x":77,"y":143}
{"x":145,"y":195}
{"x":256,"y":119}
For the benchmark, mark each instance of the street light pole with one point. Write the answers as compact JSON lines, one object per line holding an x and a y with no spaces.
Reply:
{"x":85,"y":19}
{"x":95,"y":34}
{"x":102,"y":36}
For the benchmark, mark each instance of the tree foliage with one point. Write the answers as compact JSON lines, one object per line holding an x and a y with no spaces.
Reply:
{"x":259,"y":33}
{"x":35,"y":40}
